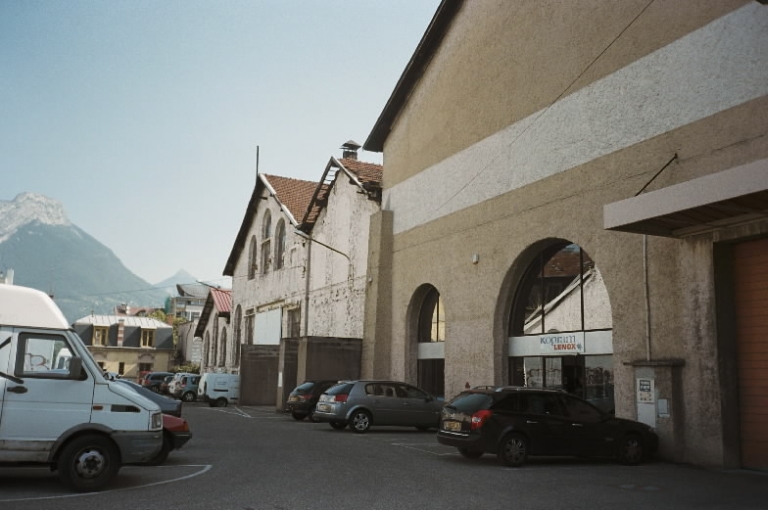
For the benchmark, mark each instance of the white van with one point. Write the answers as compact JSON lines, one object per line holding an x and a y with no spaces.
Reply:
{"x":56,"y":408}
{"x":219,"y":389}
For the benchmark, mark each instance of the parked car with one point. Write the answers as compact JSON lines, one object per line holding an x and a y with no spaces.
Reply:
{"x":176,"y":433}
{"x":219,"y":390}
{"x":167,"y":405}
{"x":302,"y":400}
{"x":152,"y":380}
{"x":186,"y":388}
{"x":514,"y":422}
{"x":174,"y":380}
{"x":362,"y":404}
{"x":164,"y":386}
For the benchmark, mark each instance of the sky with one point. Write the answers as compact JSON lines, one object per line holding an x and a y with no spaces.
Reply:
{"x":143,"y":118}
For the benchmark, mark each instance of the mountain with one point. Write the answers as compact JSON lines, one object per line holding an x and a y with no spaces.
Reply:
{"x":47,"y":252}
{"x":169,"y":284}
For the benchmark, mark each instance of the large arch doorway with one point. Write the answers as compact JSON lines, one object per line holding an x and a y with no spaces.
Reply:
{"x":560,"y":326}
{"x":430,"y":337}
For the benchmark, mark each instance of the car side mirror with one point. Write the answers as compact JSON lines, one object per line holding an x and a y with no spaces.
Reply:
{"x":75,"y":367}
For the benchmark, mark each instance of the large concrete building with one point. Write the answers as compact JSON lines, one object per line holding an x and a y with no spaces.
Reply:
{"x":576,"y":197}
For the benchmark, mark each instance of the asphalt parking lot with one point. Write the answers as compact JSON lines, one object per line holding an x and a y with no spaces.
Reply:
{"x":249,"y":458}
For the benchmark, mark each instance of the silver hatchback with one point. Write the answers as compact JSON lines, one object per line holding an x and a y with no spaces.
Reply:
{"x":362,"y":404}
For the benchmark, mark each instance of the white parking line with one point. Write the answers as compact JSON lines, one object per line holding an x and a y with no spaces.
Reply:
{"x":205,"y":468}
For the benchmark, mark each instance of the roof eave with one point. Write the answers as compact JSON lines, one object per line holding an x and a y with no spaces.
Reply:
{"x":413,"y":72}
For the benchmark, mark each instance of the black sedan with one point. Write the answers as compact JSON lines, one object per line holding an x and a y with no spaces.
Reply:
{"x":514,"y":422}
{"x":167,"y":405}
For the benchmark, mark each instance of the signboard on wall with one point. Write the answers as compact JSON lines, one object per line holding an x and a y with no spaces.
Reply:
{"x":562,"y":343}
{"x":268,"y":327}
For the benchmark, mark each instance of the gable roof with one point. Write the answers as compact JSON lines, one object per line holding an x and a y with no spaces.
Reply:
{"x":129,"y":320}
{"x":192,"y":290}
{"x":292,"y":196}
{"x":413,"y":72}
{"x":367,"y":176}
{"x":218,"y":299}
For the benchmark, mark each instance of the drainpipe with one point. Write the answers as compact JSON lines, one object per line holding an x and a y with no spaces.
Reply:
{"x":647,"y":296}
{"x":306,"y":290}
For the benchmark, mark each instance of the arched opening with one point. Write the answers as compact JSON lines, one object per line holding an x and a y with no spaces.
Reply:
{"x":206,"y":350}
{"x":430,"y":339}
{"x":238,"y":333}
{"x":560,"y":326}
{"x":266,"y":239}
{"x":280,"y":245}
{"x":252,"y":258}
{"x":223,"y":361}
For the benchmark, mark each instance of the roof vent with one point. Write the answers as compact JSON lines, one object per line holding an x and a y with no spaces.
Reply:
{"x":350,"y":149}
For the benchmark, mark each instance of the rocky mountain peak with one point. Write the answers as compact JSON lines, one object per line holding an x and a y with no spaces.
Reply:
{"x":27,"y":208}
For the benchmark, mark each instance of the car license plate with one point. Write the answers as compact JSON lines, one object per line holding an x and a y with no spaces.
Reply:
{"x":293,"y":398}
{"x":324,"y":408}
{"x":453,"y":426}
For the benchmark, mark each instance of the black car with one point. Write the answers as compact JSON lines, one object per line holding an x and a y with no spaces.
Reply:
{"x":167,"y":405}
{"x":514,"y":422}
{"x":301,"y":401}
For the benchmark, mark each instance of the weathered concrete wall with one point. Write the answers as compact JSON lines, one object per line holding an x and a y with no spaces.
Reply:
{"x":259,"y":367}
{"x":516,"y":139}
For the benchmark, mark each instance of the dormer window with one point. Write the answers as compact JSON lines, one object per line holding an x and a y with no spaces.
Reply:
{"x":147,"y":337}
{"x":100,"y":335}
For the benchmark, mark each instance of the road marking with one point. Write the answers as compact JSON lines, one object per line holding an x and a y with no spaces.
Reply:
{"x":205,"y":468}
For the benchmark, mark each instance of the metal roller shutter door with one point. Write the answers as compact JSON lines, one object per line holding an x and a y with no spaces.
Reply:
{"x":751,"y":300}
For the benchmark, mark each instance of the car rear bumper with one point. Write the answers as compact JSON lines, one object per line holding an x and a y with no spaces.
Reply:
{"x":470,"y":442}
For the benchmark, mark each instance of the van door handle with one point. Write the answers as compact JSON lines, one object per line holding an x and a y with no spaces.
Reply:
{"x":18,"y":389}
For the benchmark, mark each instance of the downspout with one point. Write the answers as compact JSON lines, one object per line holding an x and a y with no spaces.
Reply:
{"x":306,"y":290}
{"x":646,"y":291}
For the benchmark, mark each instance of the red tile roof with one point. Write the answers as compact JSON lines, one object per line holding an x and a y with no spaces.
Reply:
{"x":365,"y":172}
{"x":294,"y":194}
{"x":222,"y":299}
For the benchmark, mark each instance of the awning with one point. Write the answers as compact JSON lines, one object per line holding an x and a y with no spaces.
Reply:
{"x":730,"y":197}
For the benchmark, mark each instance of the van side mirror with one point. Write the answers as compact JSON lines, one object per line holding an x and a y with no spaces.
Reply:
{"x":75,"y":367}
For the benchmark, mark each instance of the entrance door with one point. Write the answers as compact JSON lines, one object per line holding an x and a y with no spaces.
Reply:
{"x":751,"y":300}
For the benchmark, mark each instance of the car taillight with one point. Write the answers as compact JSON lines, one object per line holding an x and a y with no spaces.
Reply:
{"x":479,"y":419}
{"x":342,"y":397}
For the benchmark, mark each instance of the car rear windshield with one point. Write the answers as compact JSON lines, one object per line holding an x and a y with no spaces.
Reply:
{"x":304,"y":388}
{"x":340,"y":389}
{"x":471,"y":402}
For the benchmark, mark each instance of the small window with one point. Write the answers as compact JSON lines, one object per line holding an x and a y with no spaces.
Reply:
{"x":252,"y":259}
{"x":121,"y":368}
{"x":100,"y":335}
{"x":280,"y":245}
{"x":147,"y":337}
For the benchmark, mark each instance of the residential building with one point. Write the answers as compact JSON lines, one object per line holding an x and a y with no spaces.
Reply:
{"x":189,"y":303}
{"x":576,"y":197}
{"x":220,"y":352}
{"x":299,"y":272}
{"x":127,"y":345}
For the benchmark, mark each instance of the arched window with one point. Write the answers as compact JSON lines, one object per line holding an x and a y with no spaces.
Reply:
{"x":280,"y":245}
{"x":223,"y":359}
{"x":266,"y":232}
{"x":432,"y":318}
{"x":206,"y":347}
{"x":252,"y":259}
{"x":238,"y":333}
{"x":560,"y":326}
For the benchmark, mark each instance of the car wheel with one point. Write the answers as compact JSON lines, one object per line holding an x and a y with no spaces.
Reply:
{"x":188,"y":397}
{"x":338,"y":425}
{"x":631,"y":450}
{"x":513,"y":450}
{"x":298,"y":416}
{"x":360,"y":421}
{"x":221,"y":402}
{"x":163,"y":453}
{"x":88,"y":463}
{"x":470,"y":454}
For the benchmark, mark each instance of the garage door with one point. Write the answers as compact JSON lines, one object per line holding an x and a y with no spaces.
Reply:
{"x":751,"y":300}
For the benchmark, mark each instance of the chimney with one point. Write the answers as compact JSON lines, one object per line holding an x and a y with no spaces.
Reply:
{"x":350,"y":150}
{"x":120,"y":332}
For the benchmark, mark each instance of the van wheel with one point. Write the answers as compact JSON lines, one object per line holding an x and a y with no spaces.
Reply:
{"x":221,"y":402}
{"x":163,"y":453}
{"x":188,"y":397}
{"x":88,"y":463}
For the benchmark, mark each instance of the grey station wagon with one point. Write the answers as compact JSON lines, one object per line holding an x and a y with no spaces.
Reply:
{"x":362,"y":404}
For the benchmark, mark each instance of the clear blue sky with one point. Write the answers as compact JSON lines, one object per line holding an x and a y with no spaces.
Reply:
{"x":143,"y":117}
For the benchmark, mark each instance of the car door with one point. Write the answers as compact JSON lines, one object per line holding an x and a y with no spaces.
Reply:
{"x":589,"y":431}
{"x":415,"y":407}
{"x":382,"y":401}
{"x":544,"y":422}
{"x":38,"y":410}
